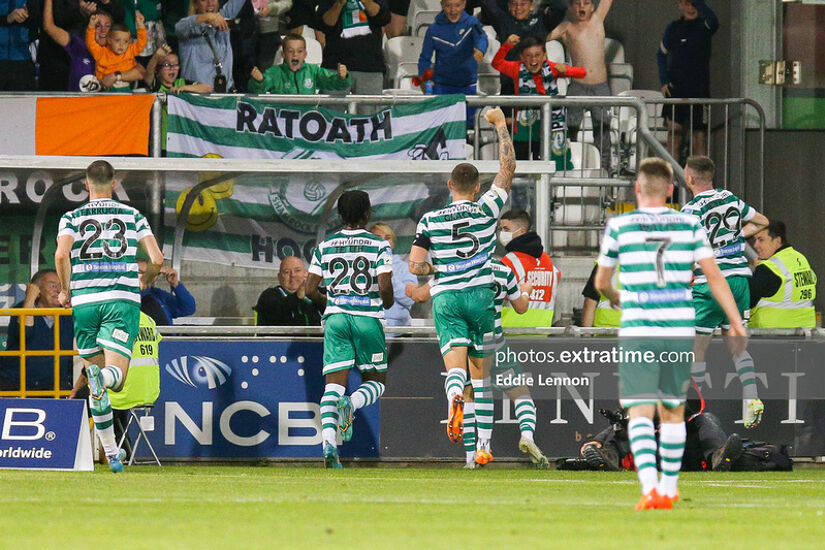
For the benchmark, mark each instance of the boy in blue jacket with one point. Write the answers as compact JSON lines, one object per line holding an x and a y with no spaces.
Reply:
{"x":459,"y":45}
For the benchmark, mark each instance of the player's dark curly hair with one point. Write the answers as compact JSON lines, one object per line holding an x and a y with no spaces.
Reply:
{"x":354,"y":207}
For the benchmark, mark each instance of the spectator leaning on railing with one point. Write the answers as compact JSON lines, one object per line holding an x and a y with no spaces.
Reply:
{"x":41,"y":292}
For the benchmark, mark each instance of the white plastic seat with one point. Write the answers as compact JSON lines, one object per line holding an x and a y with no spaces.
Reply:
{"x":402,"y":91}
{"x":555,"y":51}
{"x":627,"y":120}
{"x":401,"y":54}
{"x":488,"y":77}
{"x":422,"y":20}
{"x":620,"y":77}
{"x":585,"y":155}
{"x":613,"y":51}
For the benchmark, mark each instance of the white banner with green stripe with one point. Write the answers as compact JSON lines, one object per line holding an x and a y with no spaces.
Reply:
{"x":256,"y":219}
{"x":231,"y":127}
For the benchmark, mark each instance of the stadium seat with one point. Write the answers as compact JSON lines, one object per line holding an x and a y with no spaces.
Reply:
{"x":585,"y":156}
{"x":623,"y":125}
{"x":401,"y":55}
{"x":620,"y":77}
{"x":488,"y":78}
{"x":308,"y":32}
{"x":422,"y":20}
{"x":613,"y":51}
{"x":402,"y":91}
{"x":627,"y":121}
{"x":555,"y":51}
{"x":421,"y":5}
{"x":556,"y":54}
{"x":487,"y":138}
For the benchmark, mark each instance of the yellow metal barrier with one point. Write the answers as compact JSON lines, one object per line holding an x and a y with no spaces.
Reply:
{"x":22,"y":353}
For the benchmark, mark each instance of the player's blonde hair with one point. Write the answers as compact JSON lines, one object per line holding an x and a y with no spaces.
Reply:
{"x":655,"y":177}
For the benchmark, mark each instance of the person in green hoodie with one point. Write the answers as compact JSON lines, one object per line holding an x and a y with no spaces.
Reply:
{"x":295,"y":76}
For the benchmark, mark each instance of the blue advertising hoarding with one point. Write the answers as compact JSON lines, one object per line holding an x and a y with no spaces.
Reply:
{"x":44,"y":434}
{"x":248,"y":399}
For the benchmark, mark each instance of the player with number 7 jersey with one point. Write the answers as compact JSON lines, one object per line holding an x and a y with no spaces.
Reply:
{"x":657,"y":248}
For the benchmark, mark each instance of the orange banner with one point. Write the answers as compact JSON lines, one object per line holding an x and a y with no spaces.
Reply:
{"x":93,"y":126}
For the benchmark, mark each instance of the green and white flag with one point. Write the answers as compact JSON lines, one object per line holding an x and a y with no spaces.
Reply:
{"x":230,"y":127}
{"x":255,"y":219}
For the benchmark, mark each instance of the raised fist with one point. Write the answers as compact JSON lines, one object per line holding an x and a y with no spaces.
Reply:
{"x":495,"y":117}
{"x":256,"y":74}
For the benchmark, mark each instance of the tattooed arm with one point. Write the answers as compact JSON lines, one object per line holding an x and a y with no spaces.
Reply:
{"x":418,"y":262}
{"x":506,"y":153}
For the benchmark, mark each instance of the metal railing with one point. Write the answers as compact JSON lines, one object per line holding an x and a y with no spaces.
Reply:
{"x":23,"y":352}
{"x":290,"y":332}
{"x":567,"y":202}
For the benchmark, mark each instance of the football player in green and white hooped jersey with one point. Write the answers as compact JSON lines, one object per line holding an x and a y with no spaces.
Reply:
{"x":95,"y":261}
{"x":356,"y":267}
{"x":506,"y":288}
{"x":460,"y":239}
{"x":657,"y":248}
{"x":729,"y":221}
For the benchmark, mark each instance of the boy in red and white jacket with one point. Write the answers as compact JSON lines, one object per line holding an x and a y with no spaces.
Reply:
{"x":533,"y":74}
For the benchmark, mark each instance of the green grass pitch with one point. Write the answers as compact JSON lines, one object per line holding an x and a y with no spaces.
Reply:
{"x":253,"y":507}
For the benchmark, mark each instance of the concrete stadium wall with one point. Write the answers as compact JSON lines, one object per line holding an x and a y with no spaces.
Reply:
{"x":225,"y":291}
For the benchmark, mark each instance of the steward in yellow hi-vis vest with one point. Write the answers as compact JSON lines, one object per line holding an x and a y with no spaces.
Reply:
{"x":526,"y":257}
{"x":602,"y":314}
{"x":605,"y":315}
{"x":783,"y":286}
{"x":142,"y":385}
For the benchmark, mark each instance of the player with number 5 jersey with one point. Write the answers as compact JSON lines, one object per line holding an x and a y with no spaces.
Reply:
{"x":729,"y":221}
{"x":657,"y":248}
{"x":356,"y":267}
{"x":97,"y":245}
{"x":460,"y":239}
